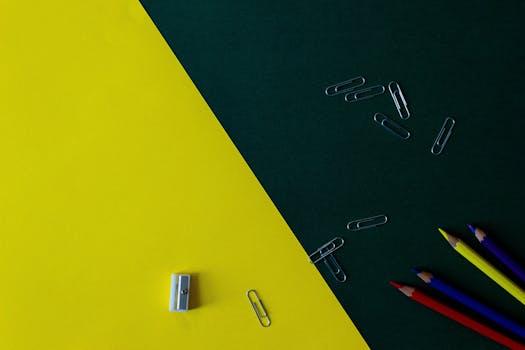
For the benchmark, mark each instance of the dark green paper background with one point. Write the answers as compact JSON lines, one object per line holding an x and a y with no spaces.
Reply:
{"x":263,"y":66}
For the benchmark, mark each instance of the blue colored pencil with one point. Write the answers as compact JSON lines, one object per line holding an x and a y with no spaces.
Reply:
{"x":470,"y":302}
{"x":498,"y":252}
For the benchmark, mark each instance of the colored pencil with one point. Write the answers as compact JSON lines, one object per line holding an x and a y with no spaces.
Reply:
{"x":485,"y":266}
{"x":457,"y":316}
{"x":470,"y":302}
{"x":498,"y":252}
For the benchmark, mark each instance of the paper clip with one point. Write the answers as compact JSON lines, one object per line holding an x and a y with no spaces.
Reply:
{"x":361,"y":224}
{"x":258,"y":307}
{"x":391,"y":126}
{"x":364,"y":93}
{"x":399,"y":98}
{"x":326,"y":249}
{"x":344,"y":86}
{"x":334,"y":268}
{"x":441,"y":141}
{"x":325,"y":252}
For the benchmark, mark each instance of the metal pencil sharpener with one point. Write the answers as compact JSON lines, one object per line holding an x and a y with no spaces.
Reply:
{"x":179,"y":292}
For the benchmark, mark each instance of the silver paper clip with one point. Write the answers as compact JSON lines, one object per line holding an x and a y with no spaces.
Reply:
{"x":391,"y":126}
{"x":443,"y":136}
{"x":325,"y":252}
{"x":258,"y":307}
{"x":326,"y":249}
{"x":399,"y":100}
{"x":361,"y":224}
{"x":344,"y":86}
{"x":364,"y":94}
{"x":334,"y":268}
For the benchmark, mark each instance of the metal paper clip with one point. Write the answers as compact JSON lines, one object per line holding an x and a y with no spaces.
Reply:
{"x":258,"y":307}
{"x":364,"y":93}
{"x":334,"y":268}
{"x":443,"y":136}
{"x":361,"y":224}
{"x":326,"y":249}
{"x":324,"y":253}
{"x":344,"y":86}
{"x":399,"y":99}
{"x":179,"y":292}
{"x":391,"y":126}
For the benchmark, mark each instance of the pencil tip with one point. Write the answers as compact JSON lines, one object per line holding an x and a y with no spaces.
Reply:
{"x":416,"y":271}
{"x":452,"y":240}
{"x":425,"y":276}
{"x":397,"y":285}
{"x":472,"y":228}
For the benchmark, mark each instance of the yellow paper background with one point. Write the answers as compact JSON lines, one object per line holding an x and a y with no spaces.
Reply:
{"x":115,"y":174}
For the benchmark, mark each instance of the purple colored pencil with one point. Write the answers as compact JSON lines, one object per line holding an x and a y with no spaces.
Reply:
{"x":498,"y":252}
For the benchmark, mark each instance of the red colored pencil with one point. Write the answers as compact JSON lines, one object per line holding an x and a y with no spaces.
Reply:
{"x":457,"y":316}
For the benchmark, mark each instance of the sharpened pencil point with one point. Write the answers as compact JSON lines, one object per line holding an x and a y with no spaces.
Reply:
{"x":472,"y":228}
{"x":397,"y":285}
{"x":425,"y":276}
{"x":452,"y":240}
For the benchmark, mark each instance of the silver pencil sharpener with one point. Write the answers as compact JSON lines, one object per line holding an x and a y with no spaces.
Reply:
{"x":179,"y":292}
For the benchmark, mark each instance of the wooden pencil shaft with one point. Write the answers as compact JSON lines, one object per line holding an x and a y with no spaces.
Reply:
{"x":485,"y":267}
{"x":472,"y":303}
{"x":501,"y":255}
{"x":459,"y":317}
{"x":490,"y":271}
